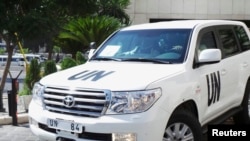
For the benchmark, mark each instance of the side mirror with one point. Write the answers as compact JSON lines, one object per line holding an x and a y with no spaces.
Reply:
{"x":91,"y":53}
{"x":92,"y":45}
{"x":209,"y":56}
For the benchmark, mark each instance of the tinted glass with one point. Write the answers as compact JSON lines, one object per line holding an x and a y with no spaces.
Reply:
{"x":229,"y":44}
{"x":163,"y":44}
{"x":243,"y":37}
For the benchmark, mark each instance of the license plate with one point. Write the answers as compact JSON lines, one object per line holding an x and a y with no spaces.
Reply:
{"x":65,"y":125}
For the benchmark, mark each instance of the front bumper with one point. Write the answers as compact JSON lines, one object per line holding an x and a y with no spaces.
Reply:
{"x":146,"y":126}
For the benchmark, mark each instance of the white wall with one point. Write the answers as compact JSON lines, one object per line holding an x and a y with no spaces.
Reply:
{"x":141,"y":11}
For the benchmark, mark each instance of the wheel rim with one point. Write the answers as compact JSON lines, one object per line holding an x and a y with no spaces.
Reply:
{"x":178,"y":132}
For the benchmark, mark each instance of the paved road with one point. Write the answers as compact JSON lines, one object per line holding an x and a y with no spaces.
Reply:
{"x":22,"y":131}
{"x":16,"y":133}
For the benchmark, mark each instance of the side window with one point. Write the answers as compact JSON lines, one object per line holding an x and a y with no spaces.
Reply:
{"x":207,"y":41}
{"x":242,"y":37}
{"x":228,"y":40}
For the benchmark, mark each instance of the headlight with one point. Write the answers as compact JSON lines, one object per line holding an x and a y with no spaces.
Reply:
{"x":133,"y":101}
{"x":37,"y":92}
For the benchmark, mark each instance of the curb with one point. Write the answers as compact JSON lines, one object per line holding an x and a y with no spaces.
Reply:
{"x":21,"y":118}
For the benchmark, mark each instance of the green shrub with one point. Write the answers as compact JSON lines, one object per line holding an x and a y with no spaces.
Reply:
{"x":80,"y":58}
{"x":2,"y":51}
{"x":24,"y":91}
{"x":68,"y":63}
{"x":49,"y":67}
{"x":32,"y":74}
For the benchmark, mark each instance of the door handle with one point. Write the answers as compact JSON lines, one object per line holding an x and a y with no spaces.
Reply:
{"x":244,"y":65}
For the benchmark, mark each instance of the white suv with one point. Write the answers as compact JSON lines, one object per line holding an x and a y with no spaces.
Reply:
{"x":149,"y":82}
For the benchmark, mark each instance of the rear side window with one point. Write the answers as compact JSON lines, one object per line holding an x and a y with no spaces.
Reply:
{"x":242,"y":37}
{"x":228,"y":40}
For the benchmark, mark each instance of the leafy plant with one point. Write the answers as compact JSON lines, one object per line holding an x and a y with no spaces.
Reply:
{"x":24,"y":91}
{"x":25,"y":50}
{"x":2,"y":51}
{"x":49,"y":67}
{"x":89,"y":29}
{"x":115,"y":8}
{"x":80,"y":58}
{"x":32,"y":74}
{"x":68,"y":63}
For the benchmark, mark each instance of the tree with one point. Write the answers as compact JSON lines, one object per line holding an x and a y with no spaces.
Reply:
{"x":115,"y":8}
{"x":41,"y":20}
{"x":20,"y":20}
{"x":89,"y":29}
{"x":76,"y":8}
{"x":11,"y":12}
{"x":76,"y":35}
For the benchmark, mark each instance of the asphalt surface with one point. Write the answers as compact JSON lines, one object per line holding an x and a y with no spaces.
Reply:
{"x":8,"y":131}
{"x":19,"y":132}
{"x":16,"y":133}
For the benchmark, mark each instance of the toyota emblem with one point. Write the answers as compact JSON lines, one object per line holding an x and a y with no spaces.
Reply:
{"x":69,"y":101}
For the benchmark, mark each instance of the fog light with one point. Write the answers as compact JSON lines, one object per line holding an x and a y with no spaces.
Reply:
{"x":123,"y":137}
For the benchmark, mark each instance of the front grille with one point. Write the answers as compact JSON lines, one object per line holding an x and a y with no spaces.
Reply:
{"x":88,"y":103}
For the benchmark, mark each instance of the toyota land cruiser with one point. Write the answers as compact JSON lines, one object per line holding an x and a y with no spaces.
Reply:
{"x":149,"y":82}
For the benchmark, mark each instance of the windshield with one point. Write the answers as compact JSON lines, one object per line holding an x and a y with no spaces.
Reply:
{"x":157,"y":45}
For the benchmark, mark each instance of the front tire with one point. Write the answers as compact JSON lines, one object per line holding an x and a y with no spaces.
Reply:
{"x":183,"y":126}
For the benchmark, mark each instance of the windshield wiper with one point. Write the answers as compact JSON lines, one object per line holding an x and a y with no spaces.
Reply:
{"x":132,"y":59}
{"x":106,"y":59}
{"x":148,"y":60}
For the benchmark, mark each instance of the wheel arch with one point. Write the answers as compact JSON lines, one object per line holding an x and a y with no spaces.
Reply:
{"x":186,"y":115}
{"x":246,"y":87}
{"x":190,"y":106}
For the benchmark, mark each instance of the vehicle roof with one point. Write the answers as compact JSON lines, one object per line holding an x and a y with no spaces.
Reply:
{"x":180,"y":24}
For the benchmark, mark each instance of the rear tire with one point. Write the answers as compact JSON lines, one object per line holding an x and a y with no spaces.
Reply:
{"x":184,"y":126}
{"x":243,"y":117}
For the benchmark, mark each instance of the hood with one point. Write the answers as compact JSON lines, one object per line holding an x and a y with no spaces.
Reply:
{"x":115,"y":76}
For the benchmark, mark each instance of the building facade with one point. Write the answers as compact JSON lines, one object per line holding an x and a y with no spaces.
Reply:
{"x":143,"y":11}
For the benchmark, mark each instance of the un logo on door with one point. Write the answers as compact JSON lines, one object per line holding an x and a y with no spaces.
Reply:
{"x":213,"y":87}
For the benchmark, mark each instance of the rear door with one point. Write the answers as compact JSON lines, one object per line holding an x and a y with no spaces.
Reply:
{"x":231,"y":66}
{"x":221,"y":85}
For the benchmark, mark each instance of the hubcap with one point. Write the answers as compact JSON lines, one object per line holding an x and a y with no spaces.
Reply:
{"x":178,"y":132}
